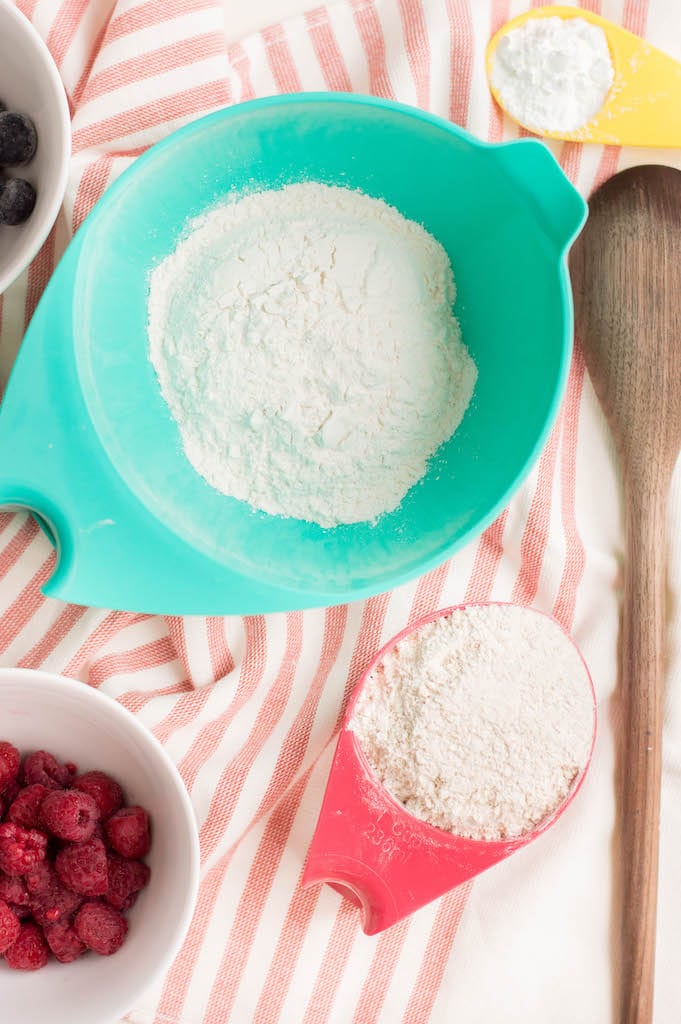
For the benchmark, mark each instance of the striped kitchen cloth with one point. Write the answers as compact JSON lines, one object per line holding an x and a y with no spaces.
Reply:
{"x":248,"y":707}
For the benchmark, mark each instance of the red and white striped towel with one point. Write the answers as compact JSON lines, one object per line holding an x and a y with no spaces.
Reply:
{"x":530,"y":940}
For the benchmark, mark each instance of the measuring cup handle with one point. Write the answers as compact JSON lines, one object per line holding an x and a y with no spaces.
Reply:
{"x":556,"y":204}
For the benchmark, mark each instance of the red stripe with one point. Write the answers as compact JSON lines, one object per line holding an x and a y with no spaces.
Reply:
{"x":113,"y":624}
{"x":573,"y":567}
{"x":280,"y":60}
{"x":373,"y":41}
{"x":343,"y":935}
{"x":186,"y":709}
{"x":234,"y":774}
{"x":152,"y":654}
{"x":25,"y":605}
{"x":537,"y":525}
{"x":39,"y":274}
{"x":635,"y":16}
{"x":64,"y":28}
{"x":418,"y":48}
{"x":136,"y":700}
{"x":157,"y":62}
{"x":220,"y":655}
{"x":6,"y":516}
{"x":95,"y":50}
{"x":299,"y":914}
{"x":429,"y":592}
{"x":252,"y":670}
{"x":607,"y":165}
{"x":27,"y":7}
{"x":500,"y":15}
{"x":460,"y":59}
{"x":178,"y":638}
{"x":263,"y":870}
{"x":434,"y":960}
{"x":223,"y":802}
{"x":302,"y":904}
{"x":91,"y":188}
{"x":58,"y":631}
{"x":383,"y":965}
{"x":158,"y":112}
{"x":240,"y":60}
{"x":487,"y":559}
{"x":11,"y":554}
{"x":327,"y":50}
{"x":152,"y":14}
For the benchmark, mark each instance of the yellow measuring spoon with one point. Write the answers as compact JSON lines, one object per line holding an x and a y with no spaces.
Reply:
{"x":643,"y":106}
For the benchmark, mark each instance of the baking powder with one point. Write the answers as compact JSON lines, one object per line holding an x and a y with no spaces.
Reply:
{"x":305,"y":343}
{"x":479,"y":722}
{"x":553,"y":74}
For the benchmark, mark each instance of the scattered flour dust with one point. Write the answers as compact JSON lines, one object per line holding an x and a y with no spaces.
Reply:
{"x":305,"y":343}
{"x":479,"y":722}
{"x":553,"y":74}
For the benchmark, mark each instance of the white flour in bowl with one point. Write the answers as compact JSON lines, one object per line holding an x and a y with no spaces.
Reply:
{"x":305,"y":343}
{"x":553,"y":74}
{"x":479,"y":722}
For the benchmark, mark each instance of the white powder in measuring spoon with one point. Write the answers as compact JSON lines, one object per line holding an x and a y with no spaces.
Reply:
{"x":305,"y":343}
{"x":480,"y":722}
{"x":553,"y":74}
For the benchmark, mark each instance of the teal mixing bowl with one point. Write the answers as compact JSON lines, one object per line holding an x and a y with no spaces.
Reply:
{"x":96,"y":454}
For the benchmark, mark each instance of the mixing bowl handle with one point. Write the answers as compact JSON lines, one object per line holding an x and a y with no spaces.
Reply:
{"x":557,"y":206}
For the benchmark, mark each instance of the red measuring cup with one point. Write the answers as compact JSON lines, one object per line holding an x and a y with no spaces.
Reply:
{"x":376,"y":854}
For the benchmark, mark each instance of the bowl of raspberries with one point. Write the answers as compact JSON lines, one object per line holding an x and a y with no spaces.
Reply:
{"x":99,"y":853}
{"x":35,"y":142}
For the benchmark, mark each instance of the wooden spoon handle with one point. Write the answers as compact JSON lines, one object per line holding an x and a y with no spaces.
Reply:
{"x":642,"y":667}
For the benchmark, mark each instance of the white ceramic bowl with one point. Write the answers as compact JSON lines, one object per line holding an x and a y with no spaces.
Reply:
{"x":77,"y":723}
{"x":30,"y":84}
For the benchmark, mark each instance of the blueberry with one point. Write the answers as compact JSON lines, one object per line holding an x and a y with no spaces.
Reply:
{"x":18,"y":139}
{"x":17,"y":199}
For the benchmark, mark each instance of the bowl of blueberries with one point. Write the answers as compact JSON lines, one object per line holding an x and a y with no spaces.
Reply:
{"x":35,"y":142}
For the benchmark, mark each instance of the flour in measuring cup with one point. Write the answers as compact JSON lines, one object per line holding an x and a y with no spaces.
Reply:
{"x":479,"y":722}
{"x":305,"y":343}
{"x":553,"y":74}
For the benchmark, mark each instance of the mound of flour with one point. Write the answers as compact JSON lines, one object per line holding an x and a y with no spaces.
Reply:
{"x":479,"y":722}
{"x":305,"y":344}
{"x":553,"y":74}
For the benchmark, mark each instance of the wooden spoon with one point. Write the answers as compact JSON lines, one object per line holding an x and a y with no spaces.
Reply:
{"x":626,"y":272}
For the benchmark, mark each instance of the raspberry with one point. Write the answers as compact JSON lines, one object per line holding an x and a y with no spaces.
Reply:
{"x":106,"y":793}
{"x":128,"y":832}
{"x":69,"y":814}
{"x":29,"y":951}
{"x":126,"y":879}
{"x":45,"y":768}
{"x":9,"y":927}
{"x":83,"y":869}
{"x":13,"y":890}
{"x":21,"y":912}
{"x":101,"y":928}
{"x":9,"y":764}
{"x":11,"y":792}
{"x":20,"y":849}
{"x":25,"y":808}
{"x":50,"y":901}
{"x":64,"y":942}
{"x":39,"y":879}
